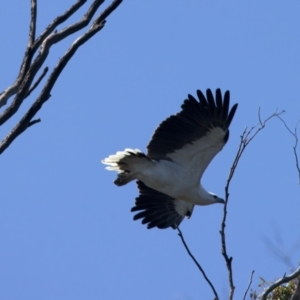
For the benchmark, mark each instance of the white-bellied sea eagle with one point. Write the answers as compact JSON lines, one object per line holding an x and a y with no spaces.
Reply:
{"x":168,"y":177}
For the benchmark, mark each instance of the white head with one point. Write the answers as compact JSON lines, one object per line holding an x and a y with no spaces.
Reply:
{"x":215,"y":199}
{"x":207,"y":198}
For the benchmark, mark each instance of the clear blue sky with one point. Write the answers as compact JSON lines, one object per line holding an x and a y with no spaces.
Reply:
{"x":66,"y":231}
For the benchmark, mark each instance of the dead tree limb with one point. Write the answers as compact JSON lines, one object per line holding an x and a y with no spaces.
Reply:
{"x":284,"y":279}
{"x":23,"y":85}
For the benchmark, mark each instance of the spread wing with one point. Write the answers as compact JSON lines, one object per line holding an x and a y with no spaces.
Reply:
{"x":196,"y":134}
{"x":159,"y":210}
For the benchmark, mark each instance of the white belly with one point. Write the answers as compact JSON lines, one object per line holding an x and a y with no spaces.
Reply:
{"x":171,"y":179}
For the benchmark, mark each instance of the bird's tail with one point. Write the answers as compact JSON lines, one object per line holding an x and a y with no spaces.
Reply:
{"x":128,"y":164}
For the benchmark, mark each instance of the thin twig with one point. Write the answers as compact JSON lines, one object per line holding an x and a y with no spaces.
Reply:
{"x":228,"y":260}
{"x":198,"y":265}
{"x":284,"y":279}
{"x":33,"y":122}
{"x":249,"y":285}
{"x":246,"y":138}
{"x":295,"y":135}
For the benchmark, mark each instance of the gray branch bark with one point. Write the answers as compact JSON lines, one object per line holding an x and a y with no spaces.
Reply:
{"x":284,"y":279}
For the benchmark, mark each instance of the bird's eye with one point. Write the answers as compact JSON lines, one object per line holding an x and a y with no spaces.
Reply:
{"x":215,"y":197}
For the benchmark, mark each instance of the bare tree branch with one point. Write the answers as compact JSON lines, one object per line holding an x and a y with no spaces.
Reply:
{"x":198,"y":265}
{"x":41,"y":57}
{"x":37,"y":82}
{"x":32,"y":23}
{"x":22,"y":86}
{"x":295,"y":135}
{"x":284,"y":279}
{"x":45,"y":93}
{"x":57,"y":21}
{"x":246,"y":138}
{"x":62,"y":34}
{"x":249,"y":285}
{"x":32,"y":47}
{"x":12,"y":90}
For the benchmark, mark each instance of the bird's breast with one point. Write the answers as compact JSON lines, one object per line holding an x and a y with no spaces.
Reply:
{"x":171,"y":179}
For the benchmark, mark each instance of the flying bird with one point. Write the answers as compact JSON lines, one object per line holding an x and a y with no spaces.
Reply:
{"x":168,"y":176}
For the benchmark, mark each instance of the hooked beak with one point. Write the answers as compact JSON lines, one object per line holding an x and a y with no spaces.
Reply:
{"x":220,"y":200}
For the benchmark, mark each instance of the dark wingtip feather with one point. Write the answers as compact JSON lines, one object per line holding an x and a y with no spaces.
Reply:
{"x":202,"y":98}
{"x":231,"y":115}
{"x":155,"y":209}
{"x":210,"y":98}
{"x":219,"y":100}
{"x":225,"y":107}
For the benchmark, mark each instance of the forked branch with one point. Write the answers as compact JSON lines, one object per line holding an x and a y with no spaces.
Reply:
{"x":24,"y":85}
{"x":246,"y":137}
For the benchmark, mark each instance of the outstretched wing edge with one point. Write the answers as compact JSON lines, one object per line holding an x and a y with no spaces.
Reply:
{"x":196,"y":120}
{"x":159,"y":210}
